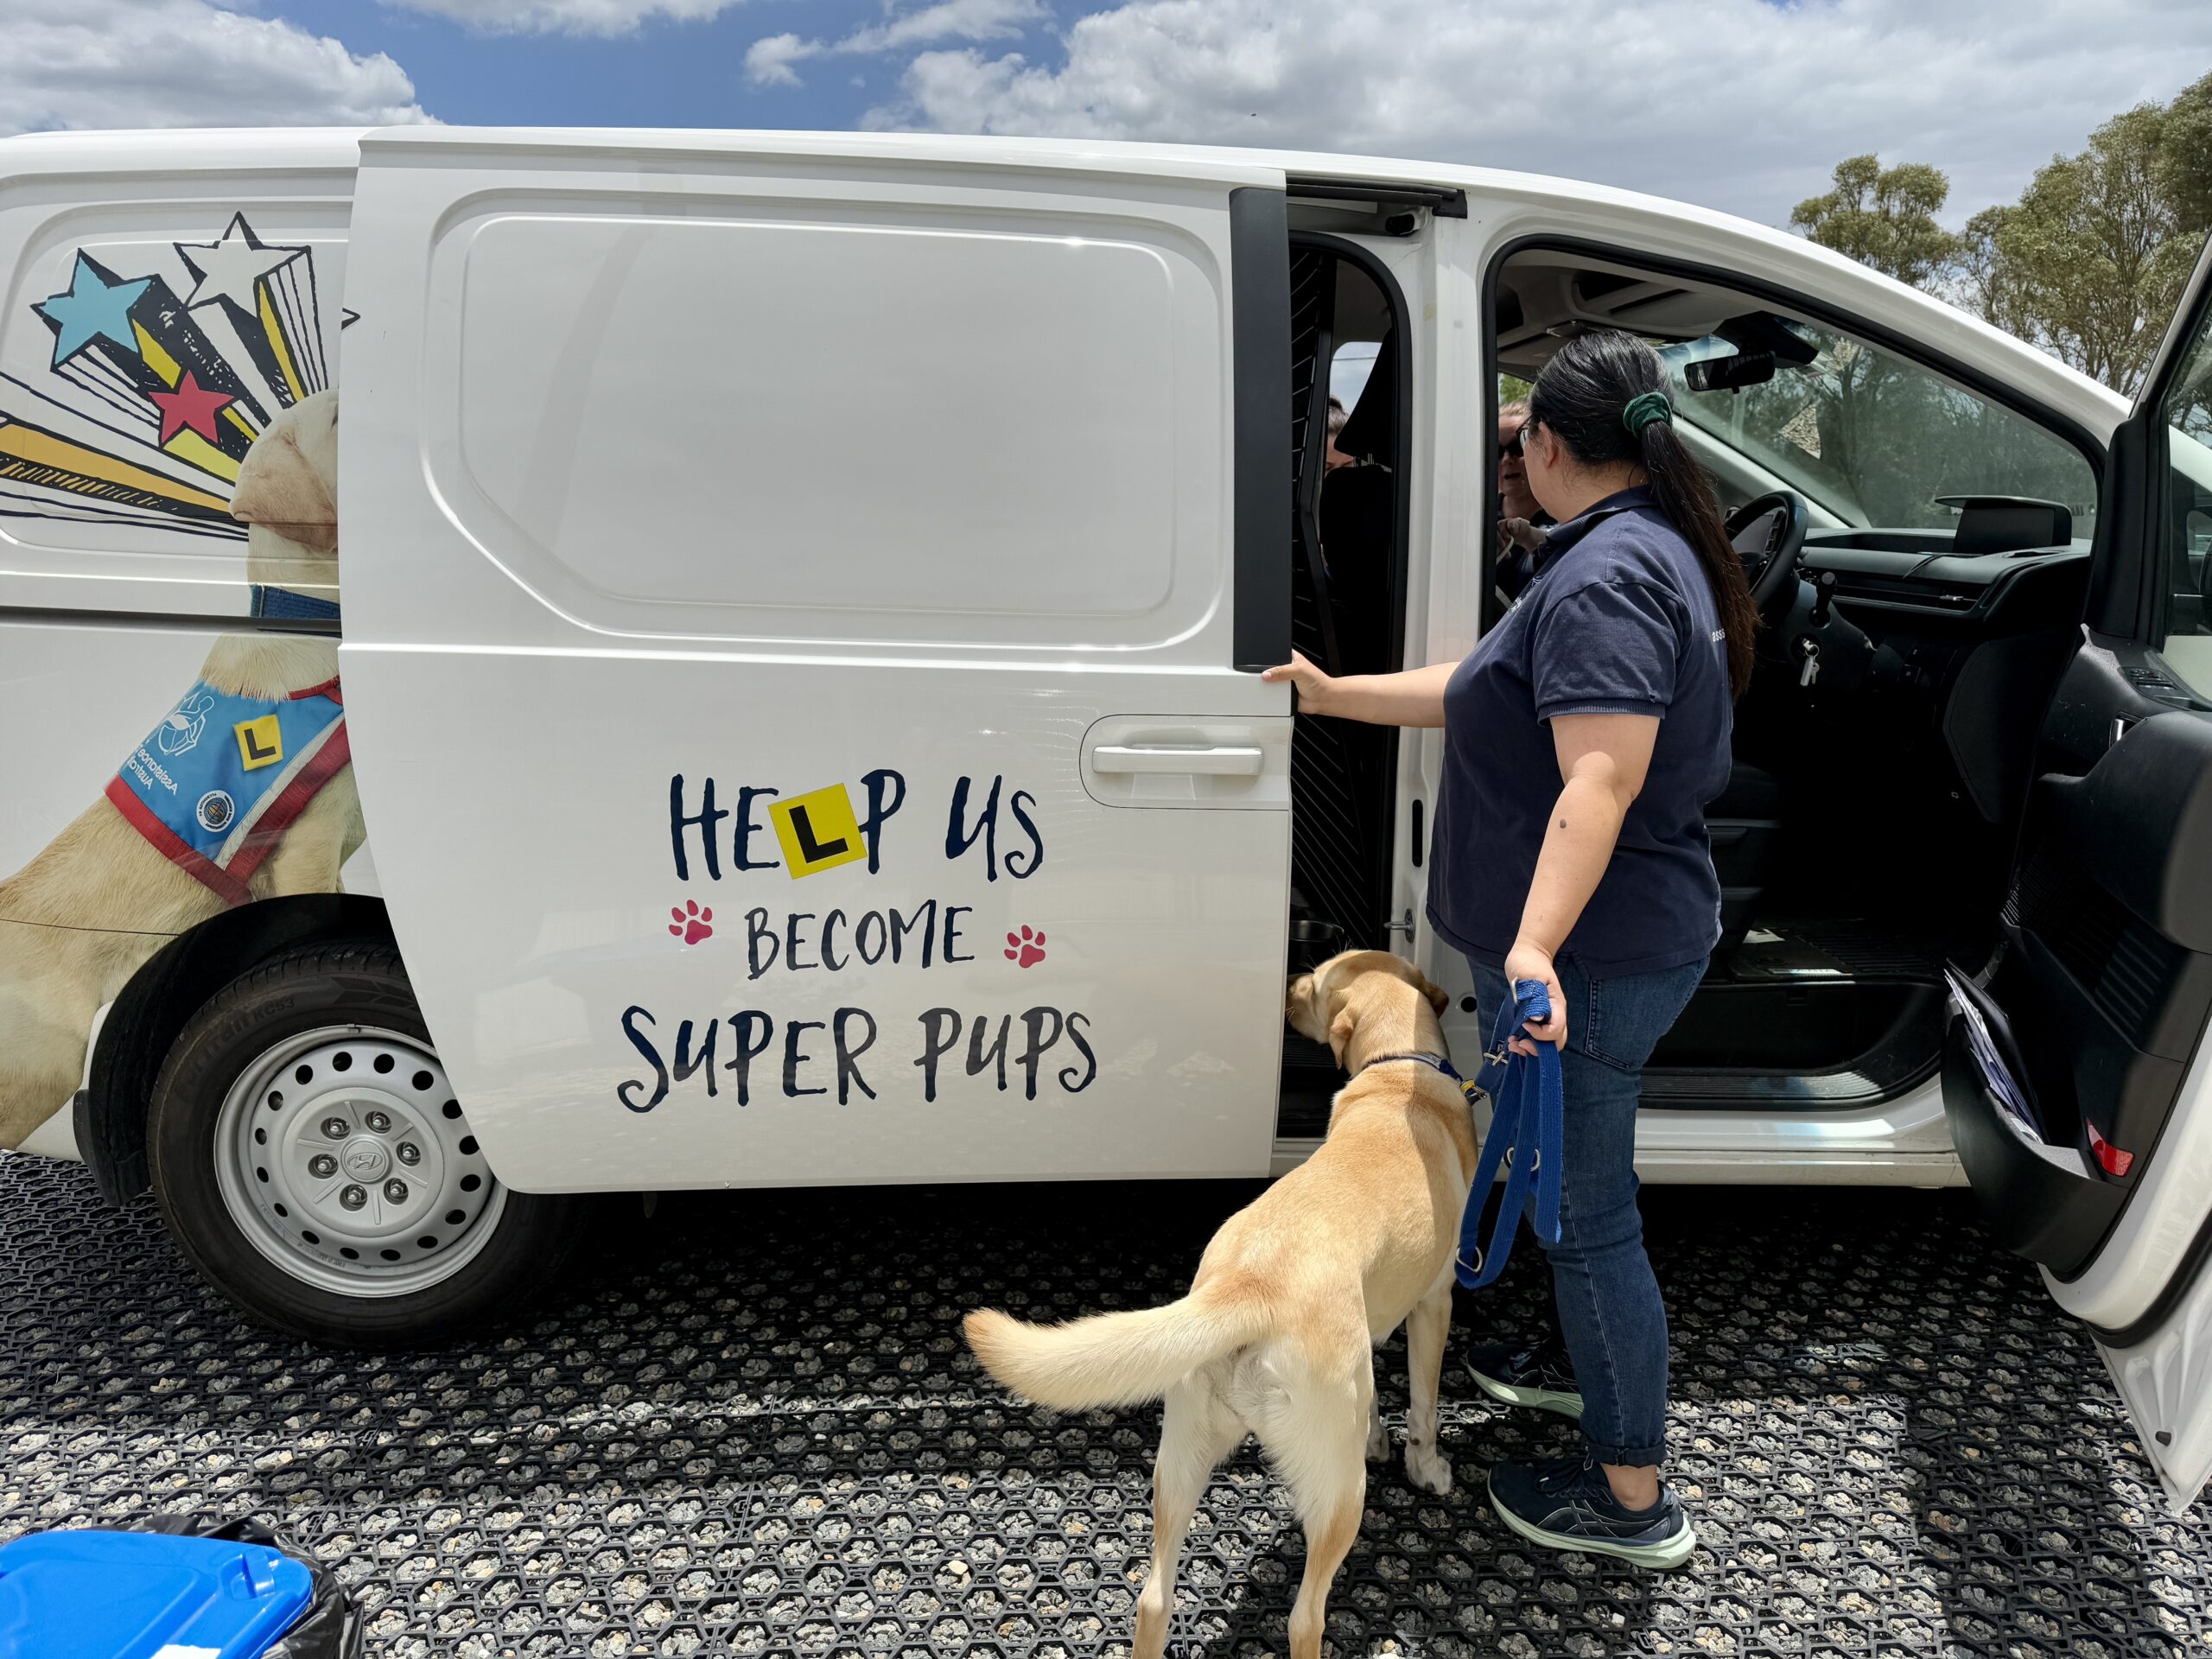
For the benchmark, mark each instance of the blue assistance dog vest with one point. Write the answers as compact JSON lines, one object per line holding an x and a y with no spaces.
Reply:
{"x":215,"y":785}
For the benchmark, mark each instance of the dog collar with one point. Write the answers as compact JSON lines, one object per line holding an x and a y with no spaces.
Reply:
{"x":285,"y":605}
{"x":1434,"y":1062}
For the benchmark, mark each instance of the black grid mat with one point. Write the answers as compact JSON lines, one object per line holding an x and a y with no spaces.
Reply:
{"x":750,"y":1428}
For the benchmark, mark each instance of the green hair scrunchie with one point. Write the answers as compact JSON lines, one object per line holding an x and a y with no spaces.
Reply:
{"x":1643,"y":408}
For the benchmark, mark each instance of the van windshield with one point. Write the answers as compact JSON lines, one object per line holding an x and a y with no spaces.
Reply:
{"x":1875,"y":439}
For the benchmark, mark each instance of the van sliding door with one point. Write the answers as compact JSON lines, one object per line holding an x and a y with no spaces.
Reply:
{"x":801,"y":598}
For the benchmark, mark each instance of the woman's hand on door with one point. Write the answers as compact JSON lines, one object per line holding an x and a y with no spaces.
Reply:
{"x":1312,"y":685}
{"x":1415,"y":698}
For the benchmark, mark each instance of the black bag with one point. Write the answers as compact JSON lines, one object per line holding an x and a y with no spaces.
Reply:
{"x":331,"y":1626}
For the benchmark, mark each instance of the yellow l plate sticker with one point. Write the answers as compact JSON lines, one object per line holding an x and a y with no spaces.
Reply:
{"x":817,"y":830}
{"x":260,"y":744}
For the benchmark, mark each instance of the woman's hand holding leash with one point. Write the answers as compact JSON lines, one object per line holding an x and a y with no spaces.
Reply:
{"x":1526,"y":960}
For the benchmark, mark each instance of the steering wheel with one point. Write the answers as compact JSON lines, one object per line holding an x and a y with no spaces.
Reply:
{"x":1768,"y":532}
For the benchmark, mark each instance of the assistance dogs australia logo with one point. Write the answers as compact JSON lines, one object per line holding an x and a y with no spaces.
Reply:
{"x":179,"y":732}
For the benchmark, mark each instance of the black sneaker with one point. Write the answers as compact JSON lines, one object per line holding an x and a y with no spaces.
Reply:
{"x":1536,"y":1375}
{"x":1568,"y":1504}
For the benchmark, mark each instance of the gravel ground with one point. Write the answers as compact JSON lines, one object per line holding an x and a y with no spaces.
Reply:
{"x":748,"y":1427}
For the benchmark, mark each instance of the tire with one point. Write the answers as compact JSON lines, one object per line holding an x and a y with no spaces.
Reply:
{"x":309,"y":1161}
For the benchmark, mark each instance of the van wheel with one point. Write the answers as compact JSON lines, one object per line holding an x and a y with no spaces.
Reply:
{"x":310,"y":1160}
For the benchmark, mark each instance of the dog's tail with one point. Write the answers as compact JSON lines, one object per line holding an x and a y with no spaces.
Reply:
{"x":1114,"y":1359}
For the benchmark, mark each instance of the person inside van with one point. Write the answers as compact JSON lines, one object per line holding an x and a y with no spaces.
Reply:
{"x":1522,"y":520}
{"x":1582,"y":739}
{"x":1332,"y":457}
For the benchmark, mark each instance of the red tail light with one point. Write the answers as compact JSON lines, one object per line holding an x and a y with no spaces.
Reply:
{"x":2111,"y":1159}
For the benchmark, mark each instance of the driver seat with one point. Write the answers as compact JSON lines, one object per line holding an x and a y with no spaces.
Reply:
{"x":1744,"y":824}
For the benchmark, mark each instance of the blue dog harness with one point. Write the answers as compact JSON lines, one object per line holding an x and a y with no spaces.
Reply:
{"x":215,"y":785}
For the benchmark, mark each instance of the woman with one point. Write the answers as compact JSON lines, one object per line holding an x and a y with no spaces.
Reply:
{"x":1582,"y":740}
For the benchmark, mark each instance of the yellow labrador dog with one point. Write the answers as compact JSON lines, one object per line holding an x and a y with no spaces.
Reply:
{"x":1277,"y":1335}
{"x":94,"y":905}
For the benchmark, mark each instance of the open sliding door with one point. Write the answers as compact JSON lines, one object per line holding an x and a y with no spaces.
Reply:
{"x":801,"y":600}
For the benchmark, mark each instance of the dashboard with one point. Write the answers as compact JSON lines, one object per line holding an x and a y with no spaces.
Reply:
{"x":1916,"y":572}
{"x":1964,"y":646}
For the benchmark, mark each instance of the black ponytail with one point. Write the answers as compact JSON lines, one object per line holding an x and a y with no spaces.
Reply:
{"x":1595,"y":389}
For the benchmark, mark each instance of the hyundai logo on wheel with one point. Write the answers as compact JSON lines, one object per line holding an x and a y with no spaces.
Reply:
{"x":364,"y":1161}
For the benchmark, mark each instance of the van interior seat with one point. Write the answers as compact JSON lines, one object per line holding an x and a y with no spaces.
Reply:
{"x":1744,"y":823}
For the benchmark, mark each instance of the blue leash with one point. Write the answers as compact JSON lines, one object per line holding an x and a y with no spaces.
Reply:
{"x":1527,"y":1129}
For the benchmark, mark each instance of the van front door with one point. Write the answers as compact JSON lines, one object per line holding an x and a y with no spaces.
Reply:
{"x":801,"y":603}
{"x":2076,"y":1078}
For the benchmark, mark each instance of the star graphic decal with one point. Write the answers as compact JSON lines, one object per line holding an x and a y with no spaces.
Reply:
{"x":190,"y":405}
{"x":96,"y":307}
{"x":228,"y":269}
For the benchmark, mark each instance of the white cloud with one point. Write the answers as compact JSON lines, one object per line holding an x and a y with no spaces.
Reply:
{"x":1740,"y":105}
{"x":184,"y":63}
{"x":565,"y":16}
{"x":768,"y":62}
{"x":949,"y":20}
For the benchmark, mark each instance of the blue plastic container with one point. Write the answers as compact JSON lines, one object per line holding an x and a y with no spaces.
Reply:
{"x":130,"y":1595}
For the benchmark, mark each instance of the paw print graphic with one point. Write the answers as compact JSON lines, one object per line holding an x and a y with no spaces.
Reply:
{"x":691,"y":923}
{"x":1025,"y":949}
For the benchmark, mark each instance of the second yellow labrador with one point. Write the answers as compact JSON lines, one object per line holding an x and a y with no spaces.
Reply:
{"x":99,"y":899}
{"x":1276,"y":1338}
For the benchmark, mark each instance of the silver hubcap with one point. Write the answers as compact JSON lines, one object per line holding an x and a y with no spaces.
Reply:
{"x":342,"y":1154}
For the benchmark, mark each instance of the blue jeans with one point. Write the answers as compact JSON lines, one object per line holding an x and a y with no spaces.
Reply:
{"x":1610,"y":1311}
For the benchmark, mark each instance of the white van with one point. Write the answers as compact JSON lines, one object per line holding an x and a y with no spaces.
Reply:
{"x":796,"y":720}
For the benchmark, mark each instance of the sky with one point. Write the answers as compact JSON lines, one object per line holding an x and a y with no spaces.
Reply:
{"x":1738,"y":105}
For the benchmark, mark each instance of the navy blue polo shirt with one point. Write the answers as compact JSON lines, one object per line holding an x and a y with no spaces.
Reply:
{"x":1619,"y":619}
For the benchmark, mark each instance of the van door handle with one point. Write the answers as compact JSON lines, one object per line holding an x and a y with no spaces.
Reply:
{"x":1231,"y":760}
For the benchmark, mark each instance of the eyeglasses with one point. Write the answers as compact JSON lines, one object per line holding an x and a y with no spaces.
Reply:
{"x":1517,"y":444}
